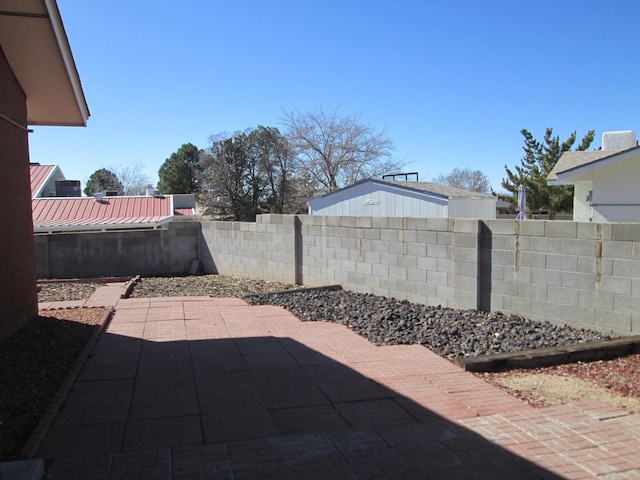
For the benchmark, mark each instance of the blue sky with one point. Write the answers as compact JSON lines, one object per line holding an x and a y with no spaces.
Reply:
{"x":451,"y":82}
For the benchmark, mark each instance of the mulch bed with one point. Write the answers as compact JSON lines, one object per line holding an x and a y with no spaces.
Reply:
{"x":35,"y":362}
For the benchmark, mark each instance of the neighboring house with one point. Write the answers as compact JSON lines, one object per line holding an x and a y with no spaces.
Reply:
{"x":53,"y":213}
{"x":605,"y":181}
{"x":39,"y":85}
{"x":391,"y":198}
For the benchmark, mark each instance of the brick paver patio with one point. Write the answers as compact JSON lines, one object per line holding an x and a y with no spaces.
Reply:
{"x":198,"y":388}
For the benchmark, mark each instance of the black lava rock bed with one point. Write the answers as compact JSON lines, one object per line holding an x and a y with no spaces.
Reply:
{"x":448,"y":332}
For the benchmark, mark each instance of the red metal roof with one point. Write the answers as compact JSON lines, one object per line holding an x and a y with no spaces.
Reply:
{"x":184,"y":211}
{"x":39,"y":176}
{"x":87,"y":211}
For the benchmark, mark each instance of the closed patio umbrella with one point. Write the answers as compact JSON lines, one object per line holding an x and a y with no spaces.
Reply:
{"x":522,"y":203}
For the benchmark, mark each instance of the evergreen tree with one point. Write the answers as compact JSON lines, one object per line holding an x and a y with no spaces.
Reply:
{"x":102,"y":180}
{"x":538,"y":161}
{"x":179,"y":172}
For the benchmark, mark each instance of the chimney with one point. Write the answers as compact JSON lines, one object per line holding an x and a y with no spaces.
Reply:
{"x":617,"y":141}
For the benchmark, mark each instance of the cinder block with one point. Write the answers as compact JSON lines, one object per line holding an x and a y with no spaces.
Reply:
{"x":465,"y":254}
{"x":464,"y":284}
{"x":563,"y":296}
{"x":407,"y":287}
{"x":579,"y":281}
{"x":416,"y":275}
{"x":562,"y":262}
{"x":626,"y":268}
{"x":619,"y":285}
{"x":595,"y":300}
{"x":464,"y":300}
{"x":355,"y":278}
{"x":518,"y":305}
{"x":626,"y":304}
{"x":577,"y":316}
{"x":626,"y":232}
{"x":465,"y":225}
{"x":380,"y":222}
{"x":445,"y":265}
{"x":436,"y":278}
{"x":587,"y":265}
{"x":371,"y":234}
{"x":467,"y":240}
{"x":398,"y":273}
{"x":534,"y":228}
{"x":348,"y":266}
{"x":466,"y":269}
{"x":560,"y":228}
{"x":615,"y":322}
{"x":546,"y":245}
{"x":501,"y":227}
{"x":397,"y":223}
{"x":427,"y":237}
{"x":445,"y":238}
{"x":578,"y":246}
{"x":427,"y":263}
{"x":439,"y":224}
{"x":613,"y":249}
{"x":364,"y":268}
{"x":533,"y":260}
{"x":364,"y":222}
{"x":378,"y":270}
{"x":532,"y":291}
{"x":416,"y":223}
{"x":439,"y":251}
{"x":417,"y":249}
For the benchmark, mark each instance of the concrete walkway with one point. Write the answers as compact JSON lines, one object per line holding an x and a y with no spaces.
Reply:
{"x":199,"y":388}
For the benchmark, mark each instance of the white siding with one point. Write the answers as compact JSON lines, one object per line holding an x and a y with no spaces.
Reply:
{"x":616,"y":196}
{"x":373,"y":199}
{"x":472,"y":208}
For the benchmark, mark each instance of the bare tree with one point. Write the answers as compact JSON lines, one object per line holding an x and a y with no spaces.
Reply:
{"x":334,"y":151}
{"x":466,"y":179}
{"x":132,"y":178}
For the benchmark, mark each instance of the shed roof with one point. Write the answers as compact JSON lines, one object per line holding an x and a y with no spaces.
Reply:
{"x":35,"y":44}
{"x":431,"y":189}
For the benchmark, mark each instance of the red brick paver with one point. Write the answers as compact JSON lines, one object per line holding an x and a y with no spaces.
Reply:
{"x":214,"y":388}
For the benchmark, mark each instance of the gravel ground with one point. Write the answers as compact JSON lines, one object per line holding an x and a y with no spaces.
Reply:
{"x":448,"y":332}
{"x":34,"y":362}
{"x":64,"y":291}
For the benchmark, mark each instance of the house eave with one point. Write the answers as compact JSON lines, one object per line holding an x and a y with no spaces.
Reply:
{"x":34,"y":41}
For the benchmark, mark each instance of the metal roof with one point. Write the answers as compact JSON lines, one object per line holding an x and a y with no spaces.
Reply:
{"x":89,"y":214}
{"x":40,"y":174}
{"x":35,"y":44}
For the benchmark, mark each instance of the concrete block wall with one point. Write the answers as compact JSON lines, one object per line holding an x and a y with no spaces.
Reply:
{"x":583,"y":274}
{"x":104,"y":254}
{"x":265,"y":249}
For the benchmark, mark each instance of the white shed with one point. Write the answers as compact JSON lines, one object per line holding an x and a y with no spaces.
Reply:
{"x":392,"y":198}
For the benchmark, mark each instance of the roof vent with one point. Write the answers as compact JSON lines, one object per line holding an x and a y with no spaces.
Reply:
{"x":616,"y":141}
{"x":150,"y":191}
{"x":98,"y":196}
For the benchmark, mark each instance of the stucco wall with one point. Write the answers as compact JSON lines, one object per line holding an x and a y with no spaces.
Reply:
{"x":616,"y":197}
{"x":18,"y":294}
{"x":150,"y":252}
